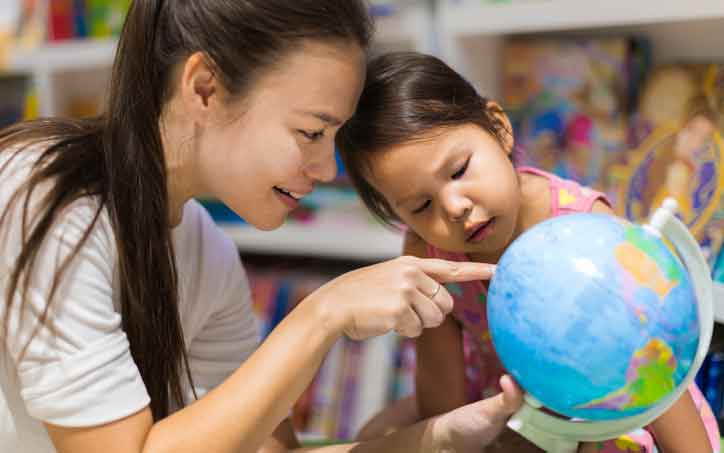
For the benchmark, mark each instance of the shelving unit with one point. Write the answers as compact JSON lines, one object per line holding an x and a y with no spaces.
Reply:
{"x":472,"y":32}
{"x":59,"y":71}
{"x":64,"y":56}
{"x":475,"y":17}
{"x":358,"y":243}
{"x":407,"y":30}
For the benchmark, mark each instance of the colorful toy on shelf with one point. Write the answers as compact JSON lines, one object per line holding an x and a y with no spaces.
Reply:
{"x":682,"y":156}
{"x":568,"y":101}
{"x":599,"y":321}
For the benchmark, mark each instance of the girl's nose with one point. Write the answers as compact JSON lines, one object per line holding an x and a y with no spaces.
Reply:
{"x":457,"y":208}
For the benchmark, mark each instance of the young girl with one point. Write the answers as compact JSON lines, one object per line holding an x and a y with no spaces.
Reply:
{"x":424,"y":149}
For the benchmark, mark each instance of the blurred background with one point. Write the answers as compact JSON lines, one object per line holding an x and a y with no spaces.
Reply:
{"x":626,"y":96}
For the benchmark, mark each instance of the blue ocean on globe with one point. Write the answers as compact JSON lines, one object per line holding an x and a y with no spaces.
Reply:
{"x":594,"y":316}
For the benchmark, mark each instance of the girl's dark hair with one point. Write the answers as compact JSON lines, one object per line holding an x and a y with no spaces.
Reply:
{"x":118,"y":157}
{"x":408,"y":96}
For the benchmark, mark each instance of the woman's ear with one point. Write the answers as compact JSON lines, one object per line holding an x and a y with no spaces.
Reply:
{"x":198,"y":85}
{"x":508,"y":139}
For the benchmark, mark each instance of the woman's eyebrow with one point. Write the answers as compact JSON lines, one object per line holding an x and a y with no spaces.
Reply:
{"x":325,"y":117}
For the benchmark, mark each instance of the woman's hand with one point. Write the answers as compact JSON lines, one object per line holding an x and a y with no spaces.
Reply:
{"x":404,"y":295}
{"x":471,"y":427}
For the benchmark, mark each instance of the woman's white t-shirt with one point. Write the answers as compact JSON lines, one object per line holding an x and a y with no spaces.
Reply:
{"x":77,"y":370}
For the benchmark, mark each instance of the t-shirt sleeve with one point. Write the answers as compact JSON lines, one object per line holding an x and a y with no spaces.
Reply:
{"x":75,"y":368}
{"x":229,"y":335}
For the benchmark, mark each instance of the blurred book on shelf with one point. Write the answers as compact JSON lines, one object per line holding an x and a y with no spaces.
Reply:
{"x":570,"y":100}
{"x":78,"y":19}
{"x":31,"y":23}
{"x":336,"y":403}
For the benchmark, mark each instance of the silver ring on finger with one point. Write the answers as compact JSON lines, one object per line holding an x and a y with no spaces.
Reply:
{"x":437,"y":290}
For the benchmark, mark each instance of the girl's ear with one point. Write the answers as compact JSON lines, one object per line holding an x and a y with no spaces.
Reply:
{"x":508,"y":139}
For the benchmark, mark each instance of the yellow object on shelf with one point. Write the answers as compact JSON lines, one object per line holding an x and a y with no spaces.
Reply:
{"x":32,"y":105}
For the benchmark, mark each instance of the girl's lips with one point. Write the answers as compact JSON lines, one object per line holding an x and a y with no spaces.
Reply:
{"x":482,"y":231}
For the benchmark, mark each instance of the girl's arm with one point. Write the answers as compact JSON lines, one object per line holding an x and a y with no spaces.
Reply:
{"x":440,"y":373}
{"x":440,"y":367}
{"x":680,"y":429}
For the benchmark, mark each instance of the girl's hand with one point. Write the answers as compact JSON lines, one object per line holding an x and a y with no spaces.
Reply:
{"x":404,"y":295}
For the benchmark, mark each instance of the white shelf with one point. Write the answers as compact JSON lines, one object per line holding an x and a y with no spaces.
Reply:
{"x":367,"y":243}
{"x":472,"y":17}
{"x":411,"y":28}
{"x":65,"y":56}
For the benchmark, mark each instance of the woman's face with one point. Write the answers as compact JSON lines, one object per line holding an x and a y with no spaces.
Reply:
{"x":278,"y":141}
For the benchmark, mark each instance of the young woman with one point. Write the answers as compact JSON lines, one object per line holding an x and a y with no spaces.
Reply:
{"x":126,"y":321}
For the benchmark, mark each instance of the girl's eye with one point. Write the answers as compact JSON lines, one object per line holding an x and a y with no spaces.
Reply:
{"x":458,"y":174}
{"x":422,"y":207}
{"x":312,"y":136}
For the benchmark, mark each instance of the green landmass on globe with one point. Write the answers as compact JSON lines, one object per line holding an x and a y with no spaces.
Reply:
{"x":650,"y":377}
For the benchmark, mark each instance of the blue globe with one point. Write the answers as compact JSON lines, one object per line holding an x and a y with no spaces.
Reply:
{"x":595,"y":317}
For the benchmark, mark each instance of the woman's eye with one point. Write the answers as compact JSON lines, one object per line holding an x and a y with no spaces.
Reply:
{"x":312,"y":136}
{"x":458,"y":174}
{"x":422,"y":207}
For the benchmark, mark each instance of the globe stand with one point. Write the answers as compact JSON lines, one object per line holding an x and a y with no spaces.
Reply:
{"x":558,"y":435}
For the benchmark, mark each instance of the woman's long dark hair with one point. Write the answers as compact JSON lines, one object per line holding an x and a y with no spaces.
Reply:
{"x":406,"y":97}
{"x":118,"y":158}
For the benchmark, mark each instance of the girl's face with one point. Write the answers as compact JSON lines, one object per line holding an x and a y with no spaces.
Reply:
{"x":457,"y":189}
{"x":279,"y":140}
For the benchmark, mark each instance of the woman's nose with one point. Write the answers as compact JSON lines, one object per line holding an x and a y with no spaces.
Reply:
{"x":323,"y":167}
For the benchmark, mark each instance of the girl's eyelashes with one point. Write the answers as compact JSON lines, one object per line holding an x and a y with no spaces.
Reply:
{"x":458,"y":174}
{"x":312,"y":136}
{"x":424,"y":206}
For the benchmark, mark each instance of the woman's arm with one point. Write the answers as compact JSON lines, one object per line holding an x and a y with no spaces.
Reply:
{"x":283,"y":439}
{"x":239,"y":414}
{"x":243,"y":411}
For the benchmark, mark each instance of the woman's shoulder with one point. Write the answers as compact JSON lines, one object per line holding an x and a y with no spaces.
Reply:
{"x":20,"y":208}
